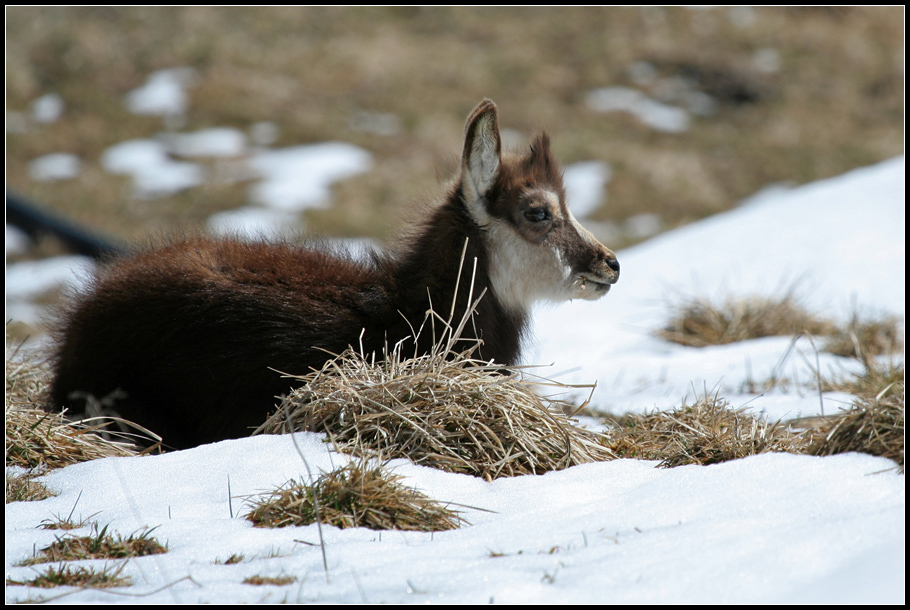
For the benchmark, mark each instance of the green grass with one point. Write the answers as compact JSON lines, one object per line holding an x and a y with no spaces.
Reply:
{"x":22,"y":488}
{"x":98,"y":545}
{"x":77,"y":576}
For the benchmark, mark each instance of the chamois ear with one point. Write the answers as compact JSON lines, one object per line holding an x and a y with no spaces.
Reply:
{"x":481,"y":157}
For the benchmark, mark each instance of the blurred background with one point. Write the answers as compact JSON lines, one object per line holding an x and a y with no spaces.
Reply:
{"x":142,"y":121}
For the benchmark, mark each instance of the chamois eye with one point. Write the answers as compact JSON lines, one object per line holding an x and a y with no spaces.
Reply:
{"x":537,"y":215}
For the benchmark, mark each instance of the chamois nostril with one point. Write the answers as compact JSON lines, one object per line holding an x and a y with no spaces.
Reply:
{"x":613,"y":264}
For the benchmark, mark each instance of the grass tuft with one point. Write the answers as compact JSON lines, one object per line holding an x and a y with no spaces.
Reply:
{"x":60,"y":523}
{"x":699,"y":323}
{"x":875,"y":422}
{"x":234,"y":558}
{"x":444,"y":410}
{"x":77,"y":576}
{"x":706,"y":432}
{"x":355,"y":495}
{"x":864,"y":339}
{"x":98,"y":545}
{"x":269,"y":580}
{"x":36,"y":438}
{"x":23,"y":488}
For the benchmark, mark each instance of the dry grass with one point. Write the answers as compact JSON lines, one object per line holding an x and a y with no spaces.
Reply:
{"x":875,"y":378}
{"x":443,"y":410}
{"x":698,"y":322}
{"x":865,"y":338}
{"x":98,"y":545}
{"x":36,"y":438}
{"x":269,"y":580}
{"x":59,"y":523}
{"x":234,"y":558}
{"x":22,"y":488}
{"x":710,"y":431}
{"x":801,"y":95}
{"x":706,"y":432}
{"x":355,"y":495}
{"x":875,"y":422}
{"x":77,"y":576}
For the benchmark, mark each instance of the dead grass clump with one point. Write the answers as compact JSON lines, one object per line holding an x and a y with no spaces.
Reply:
{"x":707,"y":432}
{"x":234,"y":558}
{"x":36,"y":438}
{"x":269,"y":580}
{"x":23,"y":488}
{"x":98,"y":545}
{"x":874,"y":379}
{"x":866,"y":338}
{"x":875,"y":422}
{"x":355,"y":495}
{"x":448,"y":412}
{"x":699,"y":323}
{"x":77,"y":576}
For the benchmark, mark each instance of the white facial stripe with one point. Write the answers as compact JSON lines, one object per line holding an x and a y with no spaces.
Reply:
{"x":552,"y":200}
{"x":583,"y":232}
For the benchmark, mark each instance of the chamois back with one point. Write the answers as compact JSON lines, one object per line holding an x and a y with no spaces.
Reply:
{"x":186,"y":339}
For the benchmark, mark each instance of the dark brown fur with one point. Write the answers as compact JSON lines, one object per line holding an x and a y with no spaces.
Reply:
{"x":192,"y":333}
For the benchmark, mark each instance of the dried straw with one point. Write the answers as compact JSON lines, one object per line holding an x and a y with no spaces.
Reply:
{"x":358,"y":494}
{"x":35,"y":437}
{"x":699,"y":323}
{"x":445,"y":409}
{"x":453,"y":413}
{"x":707,"y":432}
{"x":875,"y":422}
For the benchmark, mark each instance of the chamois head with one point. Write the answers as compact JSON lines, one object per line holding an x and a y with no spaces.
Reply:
{"x":537,"y":249}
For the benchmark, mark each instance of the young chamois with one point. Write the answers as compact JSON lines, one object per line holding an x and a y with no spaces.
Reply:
{"x":186,"y":339}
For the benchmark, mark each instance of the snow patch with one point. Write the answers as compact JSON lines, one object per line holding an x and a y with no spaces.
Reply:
{"x":299,"y":177}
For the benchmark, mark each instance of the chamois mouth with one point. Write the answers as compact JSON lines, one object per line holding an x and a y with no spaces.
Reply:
{"x":587,"y":283}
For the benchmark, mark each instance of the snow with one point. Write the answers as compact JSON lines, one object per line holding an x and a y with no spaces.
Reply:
{"x":55,"y":166}
{"x":765,"y":529}
{"x":253,"y":222}
{"x":585,"y":182}
{"x":212,"y":142}
{"x":154,"y":173}
{"x":163,"y":93}
{"x":17,"y":240}
{"x":28,"y":280}
{"x":48,"y":108}
{"x":298,"y":177}
{"x":654,"y":114}
{"x":838,"y":244}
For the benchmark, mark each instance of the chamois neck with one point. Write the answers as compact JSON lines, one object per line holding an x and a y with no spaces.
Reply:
{"x":427,"y":274}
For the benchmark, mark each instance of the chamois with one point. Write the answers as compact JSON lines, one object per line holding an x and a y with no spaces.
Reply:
{"x":185,"y":339}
